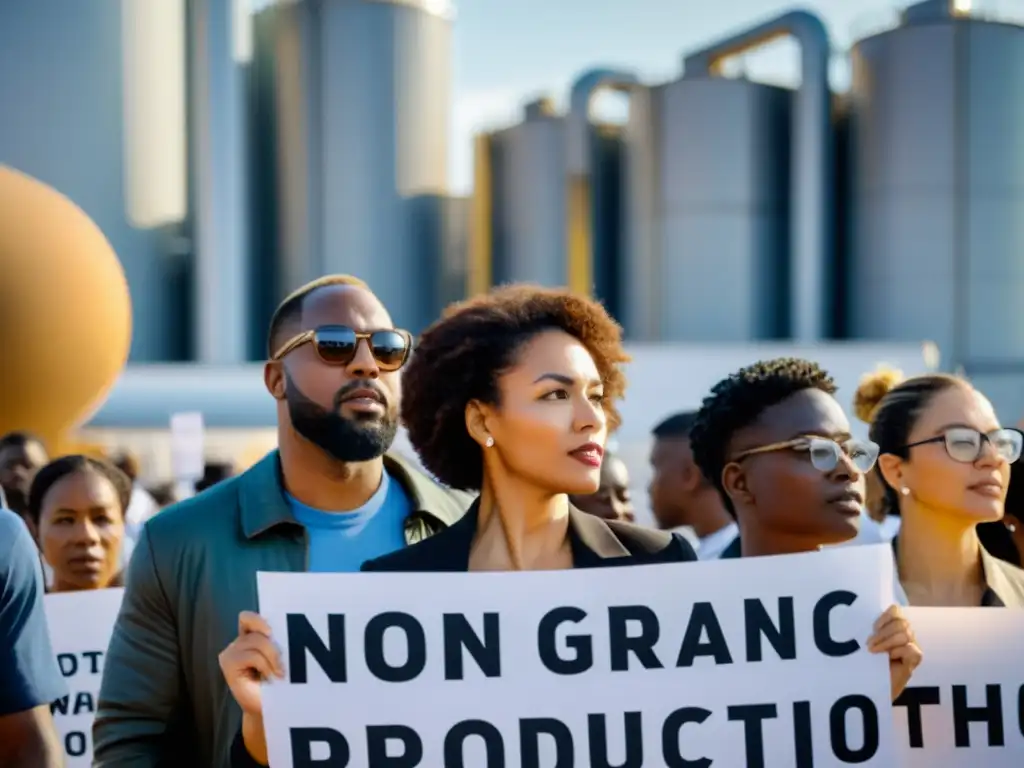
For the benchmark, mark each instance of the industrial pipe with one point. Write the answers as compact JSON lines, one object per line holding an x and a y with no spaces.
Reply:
{"x":812,"y":214}
{"x":579,"y":156}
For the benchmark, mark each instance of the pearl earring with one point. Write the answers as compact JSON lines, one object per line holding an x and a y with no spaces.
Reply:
{"x":490,"y":441}
{"x":1011,"y":527}
{"x":905,"y":491}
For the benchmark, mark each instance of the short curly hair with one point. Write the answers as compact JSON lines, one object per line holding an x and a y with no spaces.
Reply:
{"x":461,"y":356}
{"x":738,"y":400}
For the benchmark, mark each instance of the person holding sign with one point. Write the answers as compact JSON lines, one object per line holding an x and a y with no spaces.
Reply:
{"x":77,"y":505}
{"x":512,"y":394}
{"x":777,"y":445}
{"x":331,"y":497}
{"x":945,"y":466}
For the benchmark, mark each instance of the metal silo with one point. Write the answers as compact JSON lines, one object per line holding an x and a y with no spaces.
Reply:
{"x":81,"y":94}
{"x":361,"y":94}
{"x":728,"y":219}
{"x":546,"y":197}
{"x":938,"y":191}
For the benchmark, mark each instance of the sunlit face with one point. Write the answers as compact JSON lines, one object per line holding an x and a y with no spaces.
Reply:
{"x":976,"y":491}
{"x":612,"y":500}
{"x":782,"y":490}
{"x":550,"y":426}
{"x":18,"y":463}
{"x":81,"y":527}
{"x":321,"y":401}
{"x":671,"y":481}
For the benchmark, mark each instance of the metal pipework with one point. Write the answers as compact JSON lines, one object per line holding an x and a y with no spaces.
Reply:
{"x":812,"y":215}
{"x":579,"y":154}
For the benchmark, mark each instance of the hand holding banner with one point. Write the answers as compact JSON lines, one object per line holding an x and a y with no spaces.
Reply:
{"x":747,"y":662}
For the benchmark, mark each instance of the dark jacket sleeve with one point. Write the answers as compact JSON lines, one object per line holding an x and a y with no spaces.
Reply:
{"x":240,"y":757}
{"x":680,"y":550}
{"x":141,"y":688}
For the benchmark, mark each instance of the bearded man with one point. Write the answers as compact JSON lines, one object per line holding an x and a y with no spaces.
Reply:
{"x":327,"y":499}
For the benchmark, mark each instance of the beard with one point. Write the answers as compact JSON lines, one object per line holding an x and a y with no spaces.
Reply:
{"x":361,"y":438}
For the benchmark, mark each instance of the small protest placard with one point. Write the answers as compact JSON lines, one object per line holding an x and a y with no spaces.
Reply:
{"x":736,"y":663}
{"x":187,"y":446}
{"x":80,"y":627}
{"x":964,"y":707}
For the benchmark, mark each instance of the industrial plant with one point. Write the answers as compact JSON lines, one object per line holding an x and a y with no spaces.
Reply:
{"x":312,"y":137}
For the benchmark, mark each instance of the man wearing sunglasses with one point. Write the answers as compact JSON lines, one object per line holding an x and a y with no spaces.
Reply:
{"x":329,"y":498}
{"x":776,"y":444}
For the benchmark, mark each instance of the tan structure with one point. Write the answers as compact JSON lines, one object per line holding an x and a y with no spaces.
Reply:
{"x":65,"y":312}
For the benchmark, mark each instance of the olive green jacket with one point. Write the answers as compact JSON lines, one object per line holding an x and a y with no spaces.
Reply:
{"x":163,"y":700}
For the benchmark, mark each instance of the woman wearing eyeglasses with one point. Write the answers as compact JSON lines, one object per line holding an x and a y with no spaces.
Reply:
{"x":945,"y":466}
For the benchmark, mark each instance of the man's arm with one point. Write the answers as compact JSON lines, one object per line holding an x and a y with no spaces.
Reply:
{"x":28,"y":739}
{"x":141,"y":689}
{"x":29,"y":676}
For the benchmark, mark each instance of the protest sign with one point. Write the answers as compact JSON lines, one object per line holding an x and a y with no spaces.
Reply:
{"x":745,"y":662}
{"x":80,"y":627}
{"x":187,"y":450}
{"x":964,"y":707}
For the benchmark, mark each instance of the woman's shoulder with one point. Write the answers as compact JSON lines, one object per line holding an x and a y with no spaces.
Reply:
{"x":1007,"y":581}
{"x":652,"y":545}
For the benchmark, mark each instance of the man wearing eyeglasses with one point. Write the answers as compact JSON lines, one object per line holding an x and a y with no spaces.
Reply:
{"x":776,"y":444}
{"x":329,"y":498}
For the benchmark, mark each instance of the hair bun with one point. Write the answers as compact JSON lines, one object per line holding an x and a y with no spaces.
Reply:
{"x":872,"y":388}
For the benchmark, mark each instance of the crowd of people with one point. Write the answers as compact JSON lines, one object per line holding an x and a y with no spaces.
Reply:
{"x":508,"y":400}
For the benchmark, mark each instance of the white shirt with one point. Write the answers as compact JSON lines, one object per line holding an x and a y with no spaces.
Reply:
{"x":141,"y":507}
{"x":711,"y":546}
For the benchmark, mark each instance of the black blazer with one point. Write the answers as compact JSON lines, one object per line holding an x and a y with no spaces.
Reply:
{"x":596,"y":543}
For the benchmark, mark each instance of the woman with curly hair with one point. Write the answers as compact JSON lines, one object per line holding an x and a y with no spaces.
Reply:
{"x":511,"y":394}
{"x":514,"y":394}
{"x":944,"y":468}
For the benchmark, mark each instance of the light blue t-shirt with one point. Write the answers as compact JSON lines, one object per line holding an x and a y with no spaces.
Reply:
{"x":340,"y":542}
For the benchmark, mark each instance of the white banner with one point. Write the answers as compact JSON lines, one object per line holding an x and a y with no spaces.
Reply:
{"x":964,"y":707}
{"x":734,"y":663}
{"x":80,"y":627}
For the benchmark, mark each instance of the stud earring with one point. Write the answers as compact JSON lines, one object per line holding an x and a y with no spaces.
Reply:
{"x":1011,"y":527}
{"x":490,"y":441}
{"x":905,"y":491}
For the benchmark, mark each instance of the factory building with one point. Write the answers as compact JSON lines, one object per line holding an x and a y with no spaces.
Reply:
{"x":312,"y":137}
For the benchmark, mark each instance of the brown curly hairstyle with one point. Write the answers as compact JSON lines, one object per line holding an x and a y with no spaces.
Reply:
{"x":461,"y":356}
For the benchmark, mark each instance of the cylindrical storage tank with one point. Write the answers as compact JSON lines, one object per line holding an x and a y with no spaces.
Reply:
{"x":71,"y":117}
{"x":523,"y":195}
{"x":361,"y":102}
{"x":528,"y":199}
{"x":220,"y":36}
{"x":938,"y":191}
{"x":707,"y":186}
